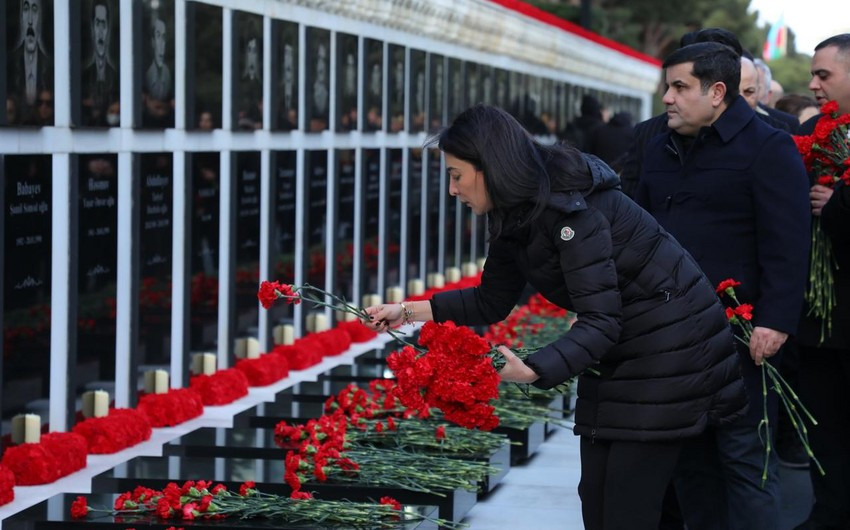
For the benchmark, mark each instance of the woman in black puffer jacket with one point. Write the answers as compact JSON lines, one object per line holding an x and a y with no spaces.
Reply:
{"x":649,"y":323}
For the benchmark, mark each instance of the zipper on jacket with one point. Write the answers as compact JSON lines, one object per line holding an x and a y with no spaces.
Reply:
{"x":665,"y":293}
{"x":592,"y":436}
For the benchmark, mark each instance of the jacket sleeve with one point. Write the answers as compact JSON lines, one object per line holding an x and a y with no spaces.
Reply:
{"x":783,"y":232}
{"x":502,"y":284}
{"x":591,"y":282}
{"x":835,"y":216}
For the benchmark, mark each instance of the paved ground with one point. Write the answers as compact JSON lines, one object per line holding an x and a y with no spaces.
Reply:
{"x":542,"y":493}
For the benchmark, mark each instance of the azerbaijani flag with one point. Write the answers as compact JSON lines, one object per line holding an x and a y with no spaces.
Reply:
{"x":776,"y":44}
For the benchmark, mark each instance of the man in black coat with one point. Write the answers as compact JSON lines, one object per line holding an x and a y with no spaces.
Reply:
{"x":825,"y":365}
{"x":648,"y":129}
{"x":732,"y":190}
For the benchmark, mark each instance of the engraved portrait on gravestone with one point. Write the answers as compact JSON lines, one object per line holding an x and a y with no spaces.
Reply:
{"x":100,"y":83}
{"x":346,"y":73}
{"x":284,"y":95}
{"x":29,"y":67}
{"x":248,"y":96}
{"x":320,"y":83}
{"x":157,"y":51}
{"x":158,"y":81}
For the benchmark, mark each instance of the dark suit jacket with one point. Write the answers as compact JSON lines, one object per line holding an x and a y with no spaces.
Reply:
{"x":835,"y":222}
{"x":737,"y":200}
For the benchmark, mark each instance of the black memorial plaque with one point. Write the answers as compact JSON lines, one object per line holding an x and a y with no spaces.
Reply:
{"x":501,"y":90}
{"x":285,"y":75}
{"x":395,"y":167}
{"x":436,"y":91}
{"x":248,"y":72}
{"x":487,"y":76}
{"x":418,"y":93}
{"x":395,"y":87}
{"x":284,"y":228}
{"x":456,"y":100}
{"x":155,"y":45}
{"x":316,"y":200}
{"x":99,"y":63}
{"x":348,"y":58}
{"x":155,"y":255}
{"x":435,"y":230}
{"x":203,"y":66}
{"x":373,"y":85}
{"x":345,"y":208}
{"x":371,"y":219}
{"x":27,"y":240}
{"x":317,"y":82}
{"x":29,"y":63}
{"x":247,"y":242}
{"x":97,"y":255}
{"x":204,"y":250}
{"x":472,"y":79}
{"x":414,"y":215}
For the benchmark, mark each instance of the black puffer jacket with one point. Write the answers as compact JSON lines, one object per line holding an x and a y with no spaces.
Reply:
{"x":648,"y":320}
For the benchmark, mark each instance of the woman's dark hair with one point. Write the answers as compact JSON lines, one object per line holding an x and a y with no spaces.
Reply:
{"x":518,"y":170}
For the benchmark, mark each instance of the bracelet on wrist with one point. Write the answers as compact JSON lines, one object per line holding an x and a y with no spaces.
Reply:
{"x":406,"y":314}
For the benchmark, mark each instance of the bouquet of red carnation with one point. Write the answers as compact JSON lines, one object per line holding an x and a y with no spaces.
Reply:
{"x":826,"y":153}
{"x":200,"y":500}
{"x":220,"y":388}
{"x":121,"y":429}
{"x":322,"y":450}
{"x":741,"y":315}
{"x":264,"y":370}
{"x":56,"y":455}
{"x":7,"y":483}
{"x":172,"y":408}
{"x":300,"y":355}
{"x":455,"y":374}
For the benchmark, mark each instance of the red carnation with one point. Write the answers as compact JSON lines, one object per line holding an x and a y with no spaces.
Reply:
{"x":440,"y":434}
{"x":301,"y":495}
{"x":79,"y":508}
{"x":744,"y":311}
{"x":389,"y":501}
{"x":727,"y":284}
{"x":245,"y":487}
{"x":829,"y":107}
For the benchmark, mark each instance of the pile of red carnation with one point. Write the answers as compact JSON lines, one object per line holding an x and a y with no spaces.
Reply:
{"x":7,"y":483}
{"x":121,"y":429}
{"x":264,"y":370}
{"x":534,"y":324}
{"x":463,"y":283}
{"x":176,"y":406}
{"x":56,"y":455}
{"x":220,"y":388}
{"x":454,"y":374}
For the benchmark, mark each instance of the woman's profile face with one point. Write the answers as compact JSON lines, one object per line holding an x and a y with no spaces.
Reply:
{"x":467,"y":184}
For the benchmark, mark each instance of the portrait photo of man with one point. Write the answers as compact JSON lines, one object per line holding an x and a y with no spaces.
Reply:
{"x":248,"y":102}
{"x":285,"y":71}
{"x":29,"y":63}
{"x":157,"y":53}
{"x":158,"y":81}
{"x":100,"y":83}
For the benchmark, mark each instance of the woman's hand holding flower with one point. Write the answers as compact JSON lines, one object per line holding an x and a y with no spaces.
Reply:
{"x":515,"y":371}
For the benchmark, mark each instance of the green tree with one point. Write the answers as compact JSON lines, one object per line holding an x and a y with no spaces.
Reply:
{"x":654,"y":26}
